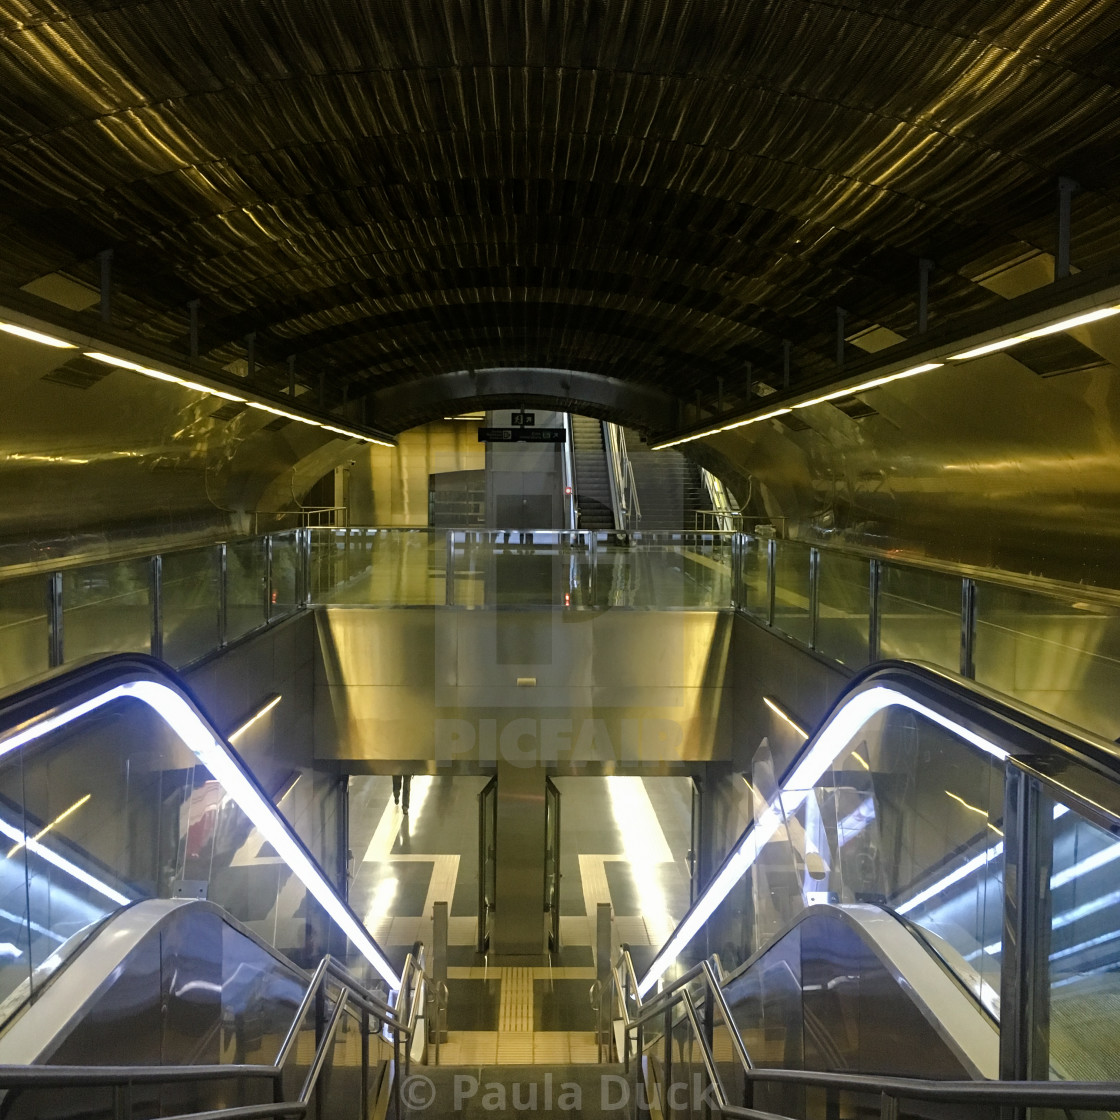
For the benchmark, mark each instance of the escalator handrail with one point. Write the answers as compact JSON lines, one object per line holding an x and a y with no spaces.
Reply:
{"x":29,"y":710}
{"x":75,"y":1076}
{"x":1081,"y":769}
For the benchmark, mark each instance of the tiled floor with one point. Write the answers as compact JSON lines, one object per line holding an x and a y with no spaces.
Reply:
{"x":513,"y":1012}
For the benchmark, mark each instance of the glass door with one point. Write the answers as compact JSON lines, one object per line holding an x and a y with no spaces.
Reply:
{"x":487,"y":858}
{"x":694,"y":842}
{"x":552,"y":862}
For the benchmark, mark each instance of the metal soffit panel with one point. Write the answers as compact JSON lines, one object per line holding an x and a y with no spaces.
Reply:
{"x":654,"y":192}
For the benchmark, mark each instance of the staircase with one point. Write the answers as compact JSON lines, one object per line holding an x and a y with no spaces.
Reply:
{"x":668,"y":485}
{"x":593,"y":489}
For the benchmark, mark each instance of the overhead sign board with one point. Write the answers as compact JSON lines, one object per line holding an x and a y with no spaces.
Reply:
{"x":522,"y":435}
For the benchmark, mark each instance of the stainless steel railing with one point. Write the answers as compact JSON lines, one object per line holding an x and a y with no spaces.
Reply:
{"x":634,"y":1015}
{"x":377,"y":1017}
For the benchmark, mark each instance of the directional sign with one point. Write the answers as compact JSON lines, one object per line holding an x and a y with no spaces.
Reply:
{"x":523,"y":419}
{"x":522,"y":435}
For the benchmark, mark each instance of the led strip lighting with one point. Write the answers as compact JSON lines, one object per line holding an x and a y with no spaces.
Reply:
{"x":174,"y":710}
{"x":831,"y":741}
{"x":198,"y":386}
{"x":852,"y":387}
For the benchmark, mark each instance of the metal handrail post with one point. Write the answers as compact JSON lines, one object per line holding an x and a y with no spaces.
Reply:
{"x":310,"y":1083}
{"x":365,"y":1062}
{"x":320,"y":1034}
{"x":268,"y":578}
{"x":223,"y":594}
{"x":303,"y":567}
{"x":667,"y":1062}
{"x":155,"y":595}
{"x":397,"y":1074}
{"x":449,"y":570}
{"x":625,"y":1022}
{"x":55,"y":654}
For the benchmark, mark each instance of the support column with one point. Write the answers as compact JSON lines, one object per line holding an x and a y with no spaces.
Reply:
{"x":925,"y":267}
{"x":1067,"y":188}
{"x":519,"y":913}
{"x":192,"y":312}
{"x":105,"y":262}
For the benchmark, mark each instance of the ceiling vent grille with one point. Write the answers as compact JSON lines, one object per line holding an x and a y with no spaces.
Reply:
{"x":79,"y":373}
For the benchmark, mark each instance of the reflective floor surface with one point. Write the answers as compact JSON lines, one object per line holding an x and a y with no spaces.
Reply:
{"x":623,"y":841}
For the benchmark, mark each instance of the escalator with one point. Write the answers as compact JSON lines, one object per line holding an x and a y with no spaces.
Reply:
{"x":157,"y":910}
{"x":592,"y":483}
{"x":928,"y":890}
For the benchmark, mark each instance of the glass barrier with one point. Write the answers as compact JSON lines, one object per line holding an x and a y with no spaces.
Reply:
{"x":246,"y":586}
{"x":191,"y":607}
{"x":284,"y":596}
{"x":920,"y":616}
{"x":754,"y":577}
{"x":1083,"y":950}
{"x":792,"y":590}
{"x":24,"y":630}
{"x":1059,"y":654}
{"x":378,"y":567}
{"x":844,"y":608}
{"x":107,"y":609}
{"x":589,"y":570}
{"x":116,"y":807}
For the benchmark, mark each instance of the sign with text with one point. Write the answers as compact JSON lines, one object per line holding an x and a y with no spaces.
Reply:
{"x":522,"y":435}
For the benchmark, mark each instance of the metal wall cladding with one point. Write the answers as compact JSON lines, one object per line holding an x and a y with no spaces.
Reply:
{"x":129,"y":462}
{"x":984,"y":463}
{"x":623,"y":690}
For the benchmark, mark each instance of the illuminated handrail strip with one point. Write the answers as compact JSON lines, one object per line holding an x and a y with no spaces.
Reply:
{"x":170,"y":704}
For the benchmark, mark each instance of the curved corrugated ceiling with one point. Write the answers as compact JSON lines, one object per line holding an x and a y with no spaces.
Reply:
{"x":657,"y":190}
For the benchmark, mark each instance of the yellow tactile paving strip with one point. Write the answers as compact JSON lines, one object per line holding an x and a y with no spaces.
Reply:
{"x":515,"y":1014}
{"x":515,"y":1042}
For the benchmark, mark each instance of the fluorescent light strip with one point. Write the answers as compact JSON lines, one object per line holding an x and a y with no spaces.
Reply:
{"x":1085,"y":910}
{"x":850,"y":390}
{"x":966,"y":869}
{"x":874,"y":383}
{"x":211,"y":752}
{"x":23,"y":920}
{"x":71,"y":869}
{"x":262,"y":711}
{"x":855,"y":822}
{"x":199,"y":387}
{"x":1040,"y":332}
{"x":781,"y":713}
{"x":58,"y":820}
{"x":846,"y":391}
{"x":834,"y":738}
{"x":1081,"y":947}
{"x":37,"y":336}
